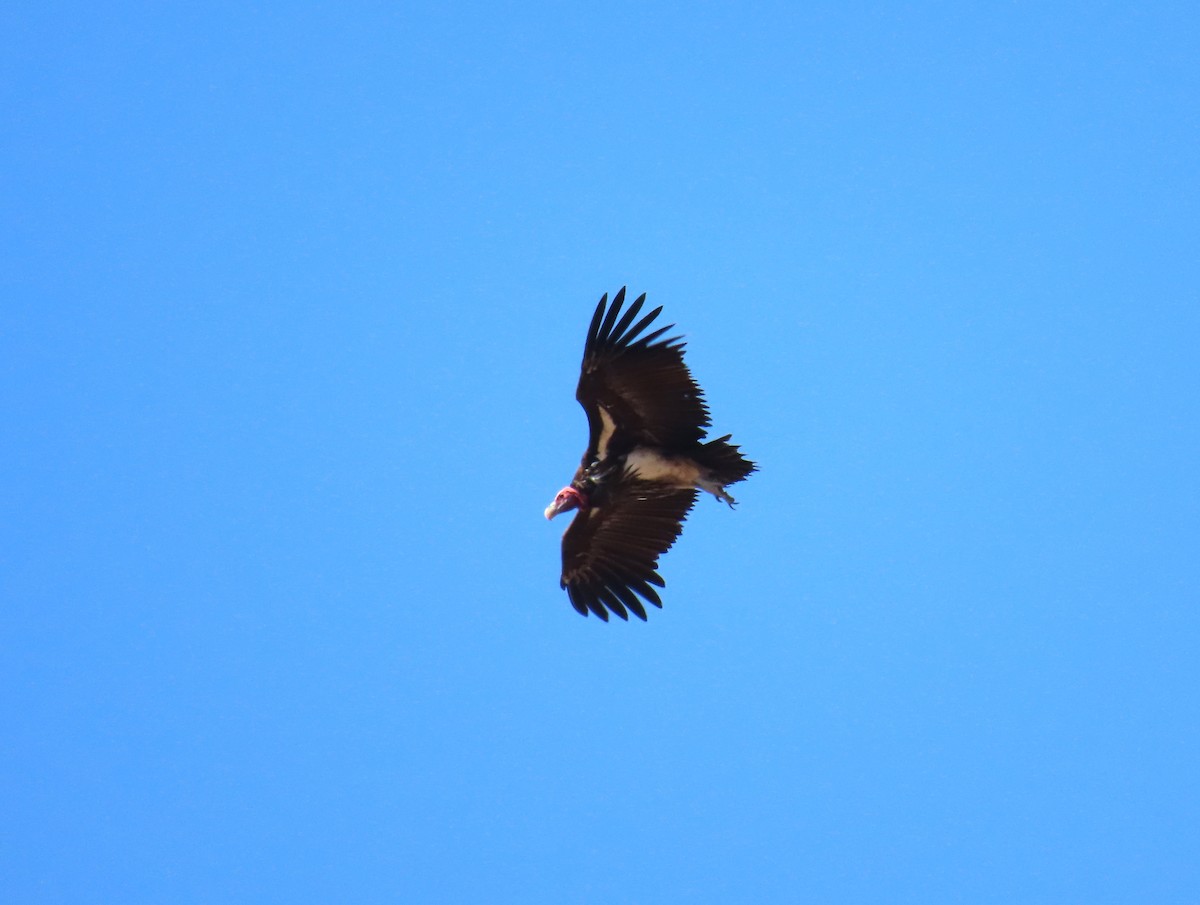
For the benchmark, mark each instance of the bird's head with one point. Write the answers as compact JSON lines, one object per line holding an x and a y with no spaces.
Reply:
{"x":568,"y":498}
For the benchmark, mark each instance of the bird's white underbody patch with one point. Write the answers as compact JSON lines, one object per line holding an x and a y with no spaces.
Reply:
{"x":651,"y":465}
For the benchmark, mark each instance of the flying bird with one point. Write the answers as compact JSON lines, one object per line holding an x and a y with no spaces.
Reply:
{"x":647,"y":457}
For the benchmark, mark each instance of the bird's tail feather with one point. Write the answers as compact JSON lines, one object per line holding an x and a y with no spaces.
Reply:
{"x":725,"y":461}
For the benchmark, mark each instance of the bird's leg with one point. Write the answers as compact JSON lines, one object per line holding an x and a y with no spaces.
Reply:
{"x":718,"y":491}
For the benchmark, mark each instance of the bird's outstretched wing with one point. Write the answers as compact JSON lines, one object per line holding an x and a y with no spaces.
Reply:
{"x":637,"y":387}
{"x":610,"y":552}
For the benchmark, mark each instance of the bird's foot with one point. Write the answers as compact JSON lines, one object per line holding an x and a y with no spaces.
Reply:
{"x":719,"y":492}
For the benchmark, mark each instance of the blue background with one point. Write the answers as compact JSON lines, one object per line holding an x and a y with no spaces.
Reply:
{"x":292,"y":299}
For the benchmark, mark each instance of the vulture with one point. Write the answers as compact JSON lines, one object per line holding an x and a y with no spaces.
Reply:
{"x":647,"y":457}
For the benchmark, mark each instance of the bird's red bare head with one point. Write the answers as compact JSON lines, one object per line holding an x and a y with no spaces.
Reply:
{"x":568,"y":498}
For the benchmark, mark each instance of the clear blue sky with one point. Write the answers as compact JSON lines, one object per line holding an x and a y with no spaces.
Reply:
{"x":292,"y":300}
